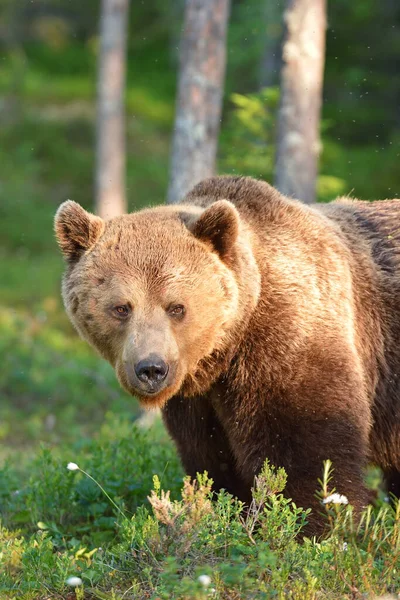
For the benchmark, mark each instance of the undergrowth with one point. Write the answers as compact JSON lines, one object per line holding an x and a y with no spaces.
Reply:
{"x":185,"y":546}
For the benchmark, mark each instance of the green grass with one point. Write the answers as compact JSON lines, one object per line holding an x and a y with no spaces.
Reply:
{"x":52,"y":386}
{"x":122,"y":545}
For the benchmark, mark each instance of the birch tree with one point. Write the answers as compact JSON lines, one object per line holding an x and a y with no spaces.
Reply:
{"x":199,"y":98}
{"x":301,"y":95}
{"x":110,"y":142}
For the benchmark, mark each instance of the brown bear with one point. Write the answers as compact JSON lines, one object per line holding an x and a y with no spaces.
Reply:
{"x":263,"y":328}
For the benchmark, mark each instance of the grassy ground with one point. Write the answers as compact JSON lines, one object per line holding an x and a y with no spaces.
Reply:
{"x":61,"y":403}
{"x":115,"y":543}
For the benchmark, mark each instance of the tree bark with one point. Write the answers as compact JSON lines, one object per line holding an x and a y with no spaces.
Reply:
{"x":200,"y":90}
{"x":110,"y":150}
{"x":301,"y":95}
{"x":271,"y":57}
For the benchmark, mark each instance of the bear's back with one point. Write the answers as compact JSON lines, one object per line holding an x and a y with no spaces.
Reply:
{"x":372,"y":225}
{"x":379,"y":223}
{"x":254,"y":199}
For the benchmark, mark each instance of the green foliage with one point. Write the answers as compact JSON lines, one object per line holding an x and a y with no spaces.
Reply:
{"x":247,"y":144}
{"x":248,"y":148}
{"x":51,"y":385}
{"x":44,"y":494}
{"x":194,"y":547}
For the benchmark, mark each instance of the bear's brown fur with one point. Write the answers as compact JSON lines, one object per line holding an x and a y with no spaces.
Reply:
{"x":278,"y":325}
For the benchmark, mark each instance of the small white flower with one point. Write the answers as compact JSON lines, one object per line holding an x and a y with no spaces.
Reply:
{"x":345,"y":546}
{"x":74,"y":581}
{"x":335,"y":499}
{"x":72,"y":467}
{"x":205,"y":580}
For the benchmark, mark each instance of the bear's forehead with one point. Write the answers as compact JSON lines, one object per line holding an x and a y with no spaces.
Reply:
{"x":149,"y":243}
{"x":150,"y":252}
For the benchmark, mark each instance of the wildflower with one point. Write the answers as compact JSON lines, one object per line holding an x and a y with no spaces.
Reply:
{"x":74,"y":581}
{"x":72,"y":467}
{"x":345,"y":547}
{"x":205,"y":580}
{"x":335,"y":499}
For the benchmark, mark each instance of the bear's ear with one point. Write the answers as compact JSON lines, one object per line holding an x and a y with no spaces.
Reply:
{"x":218,"y":225}
{"x":76,"y":230}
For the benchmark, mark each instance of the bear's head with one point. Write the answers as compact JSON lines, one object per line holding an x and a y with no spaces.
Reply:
{"x":161,"y":293}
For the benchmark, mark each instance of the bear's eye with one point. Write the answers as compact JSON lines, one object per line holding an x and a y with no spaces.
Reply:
{"x":121,"y":312}
{"x":177,"y":311}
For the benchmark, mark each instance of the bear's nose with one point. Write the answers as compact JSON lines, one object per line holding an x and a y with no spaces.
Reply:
{"x":152,"y":370}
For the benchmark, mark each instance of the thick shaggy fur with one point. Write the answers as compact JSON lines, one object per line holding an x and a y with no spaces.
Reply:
{"x":290,"y":345}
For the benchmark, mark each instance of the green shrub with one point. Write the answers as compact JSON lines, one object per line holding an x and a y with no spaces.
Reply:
{"x":122,"y":457}
{"x":197,"y":546}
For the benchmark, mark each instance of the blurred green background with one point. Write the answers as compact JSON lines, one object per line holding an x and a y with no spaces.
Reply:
{"x":53,"y":388}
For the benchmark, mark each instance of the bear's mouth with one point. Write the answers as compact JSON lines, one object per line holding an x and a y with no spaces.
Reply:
{"x":149,"y":392}
{"x":158,"y":398}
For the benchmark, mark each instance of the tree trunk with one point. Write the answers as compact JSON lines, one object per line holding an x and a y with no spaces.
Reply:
{"x":200,"y":89}
{"x":110,"y":159}
{"x":11,"y":107}
{"x":271,"y":57}
{"x":301,"y":95}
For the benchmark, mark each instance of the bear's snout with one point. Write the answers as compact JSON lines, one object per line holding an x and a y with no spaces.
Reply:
{"x":150,"y":375}
{"x":151,"y":371}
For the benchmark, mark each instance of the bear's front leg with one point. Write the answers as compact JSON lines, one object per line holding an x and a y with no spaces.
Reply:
{"x":337,"y":438}
{"x":202,"y":443}
{"x":299,"y":432}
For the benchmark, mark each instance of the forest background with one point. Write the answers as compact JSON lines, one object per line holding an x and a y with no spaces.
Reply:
{"x":58,"y":401}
